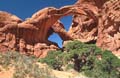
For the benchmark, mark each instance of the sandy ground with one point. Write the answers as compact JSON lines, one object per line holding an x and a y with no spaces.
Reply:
{"x":6,"y":73}
{"x":59,"y":74}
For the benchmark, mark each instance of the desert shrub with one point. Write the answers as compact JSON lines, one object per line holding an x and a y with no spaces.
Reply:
{"x":107,"y":67}
{"x":25,"y":67}
{"x":53,"y":60}
{"x":85,"y":58}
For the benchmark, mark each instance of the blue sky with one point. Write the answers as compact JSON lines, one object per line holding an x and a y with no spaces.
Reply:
{"x":25,"y":9}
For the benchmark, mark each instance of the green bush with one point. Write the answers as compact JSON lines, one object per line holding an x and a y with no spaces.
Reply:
{"x":107,"y":67}
{"x":53,"y":60}
{"x":25,"y":67}
{"x":86,"y":58}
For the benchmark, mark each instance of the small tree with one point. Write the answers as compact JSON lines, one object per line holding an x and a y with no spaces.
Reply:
{"x":86,"y":58}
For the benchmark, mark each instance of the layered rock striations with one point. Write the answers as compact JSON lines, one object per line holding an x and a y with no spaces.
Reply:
{"x":7,"y":39}
{"x":94,"y":21}
{"x":31,"y":36}
{"x":103,"y":28}
{"x":85,"y":27}
{"x":109,"y":27}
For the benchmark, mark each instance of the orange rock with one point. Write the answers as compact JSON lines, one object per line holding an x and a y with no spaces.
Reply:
{"x":109,"y":27}
{"x":102,"y":26}
{"x":31,"y":36}
{"x":85,"y":27}
{"x":93,"y":20}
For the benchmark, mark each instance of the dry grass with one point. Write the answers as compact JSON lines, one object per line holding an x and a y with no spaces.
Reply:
{"x":15,"y":65}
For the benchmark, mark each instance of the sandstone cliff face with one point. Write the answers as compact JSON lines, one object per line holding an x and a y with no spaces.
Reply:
{"x":31,"y":36}
{"x":109,"y":27}
{"x":7,"y":39}
{"x":17,"y":36}
{"x":94,"y":21}
{"x":85,"y":27}
{"x":103,"y":26}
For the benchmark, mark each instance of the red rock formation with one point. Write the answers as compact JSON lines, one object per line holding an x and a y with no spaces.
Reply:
{"x":46,"y":21}
{"x":91,"y":22}
{"x":58,"y":28}
{"x":85,"y":27}
{"x":109,"y":27}
{"x":31,"y":36}
{"x":104,"y":26}
{"x":8,"y":40}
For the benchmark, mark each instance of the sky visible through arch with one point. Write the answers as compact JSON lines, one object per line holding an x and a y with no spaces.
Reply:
{"x":25,"y":8}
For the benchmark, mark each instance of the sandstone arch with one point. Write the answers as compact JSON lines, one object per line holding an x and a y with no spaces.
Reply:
{"x":104,"y":30}
{"x":31,"y":36}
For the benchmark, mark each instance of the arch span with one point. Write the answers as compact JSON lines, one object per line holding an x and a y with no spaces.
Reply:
{"x":31,"y":36}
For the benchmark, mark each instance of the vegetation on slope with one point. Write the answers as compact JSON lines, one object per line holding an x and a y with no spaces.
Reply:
{"x":85,"y":58}
{"x":24,"y":66}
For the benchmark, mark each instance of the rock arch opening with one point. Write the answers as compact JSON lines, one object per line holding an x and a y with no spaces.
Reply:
{"x":66,"y":21}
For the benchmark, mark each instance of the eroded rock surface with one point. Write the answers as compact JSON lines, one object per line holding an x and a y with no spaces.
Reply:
{"x":94,"y":21}
{"x":31,"y":36}
{"x":103,"y":26}
{"x":109,"y":27}
{"x":85,"y":27}
{"x":7,"y":39}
